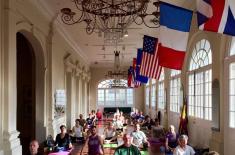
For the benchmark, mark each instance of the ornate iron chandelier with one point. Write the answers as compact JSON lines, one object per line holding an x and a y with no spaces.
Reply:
{"x":110,"y":16}
{"x":117,"y":73}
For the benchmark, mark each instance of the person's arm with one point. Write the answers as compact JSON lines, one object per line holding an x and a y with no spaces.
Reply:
{"x":69,"y":142}
{"x":101,"y":144}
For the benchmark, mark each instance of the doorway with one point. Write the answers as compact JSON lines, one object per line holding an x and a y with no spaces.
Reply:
{"x":26,"y":100}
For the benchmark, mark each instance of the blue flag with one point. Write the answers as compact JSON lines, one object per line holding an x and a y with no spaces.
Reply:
{"x":142,"y":79}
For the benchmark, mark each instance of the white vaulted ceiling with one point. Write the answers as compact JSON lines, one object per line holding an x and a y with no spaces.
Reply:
{"x":92,"y":46}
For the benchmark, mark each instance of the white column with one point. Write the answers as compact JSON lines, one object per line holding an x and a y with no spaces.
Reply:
{"x":69,"y":97}
{"x":85,"y":97}
{"x":48,"y":86}
{"x":1,"y":79}
{"x":11,"y":143}
{"x":81,"y":97}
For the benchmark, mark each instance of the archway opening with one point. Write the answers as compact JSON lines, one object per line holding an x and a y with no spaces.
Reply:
{"x":26,"y":98}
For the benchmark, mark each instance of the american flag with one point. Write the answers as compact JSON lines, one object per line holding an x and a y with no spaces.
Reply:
{"x":150,"y":64}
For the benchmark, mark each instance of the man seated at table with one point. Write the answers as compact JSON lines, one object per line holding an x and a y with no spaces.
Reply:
{"x":127,"y":148}
{"x":139,"y":137}
{"x":62,"y":141}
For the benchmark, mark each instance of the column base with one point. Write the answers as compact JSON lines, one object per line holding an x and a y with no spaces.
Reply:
{"x":11,"y":143}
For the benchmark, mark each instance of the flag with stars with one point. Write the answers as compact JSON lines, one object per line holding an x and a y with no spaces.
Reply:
{"x":150,"y":63}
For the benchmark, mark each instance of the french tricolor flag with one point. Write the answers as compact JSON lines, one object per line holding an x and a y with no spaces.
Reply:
{"x":174,"y":30}
{"x":216,"y":16}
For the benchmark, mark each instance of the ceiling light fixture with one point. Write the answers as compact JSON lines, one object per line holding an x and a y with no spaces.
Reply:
{"x":111,"y":15}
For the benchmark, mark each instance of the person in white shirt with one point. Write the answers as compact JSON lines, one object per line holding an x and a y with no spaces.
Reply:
{"x":183,"y":148}
{"x":139,"y":137}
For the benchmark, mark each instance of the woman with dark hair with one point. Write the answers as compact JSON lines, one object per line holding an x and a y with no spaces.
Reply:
{"x":63,"y":141}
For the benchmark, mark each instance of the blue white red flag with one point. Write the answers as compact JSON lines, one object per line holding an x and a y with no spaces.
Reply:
{"x":174,"y":30}
{"x":216,"y":16}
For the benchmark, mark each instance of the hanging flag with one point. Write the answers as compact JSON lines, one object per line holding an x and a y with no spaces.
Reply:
{"x":174,"y":30}
{"x":136,"y":83}
{"x":130,"y":82}
{"x":183,"y":127}
{"x":142,"y":79}
{"x":149,"y":66}
{"x":216,"y":16}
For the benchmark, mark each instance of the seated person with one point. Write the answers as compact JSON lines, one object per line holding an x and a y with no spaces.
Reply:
{"x":82,"y":120}
{"x":63,"y":141}
{"x":122,"y":118}
{"x":127,"y":148}
{"x":93,"y":115}
{"x":99,"y":115}
{"x":33,"y":147}
{"x":86,"y":131}
{"x":117,"y":113}
{"x":109,"y":133}
{"x":141,"y":117}
{"x":139,"y":137}
{"x":118,"y":125}
{"x":183,"y":148}
{"x":171,"y":140}
{"x":77,"y":132}
{"x":89,"y":120}
{"x":148,"y":122}
{"x":157,"y":130}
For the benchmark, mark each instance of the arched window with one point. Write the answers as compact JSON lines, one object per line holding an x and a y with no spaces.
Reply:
{"x":199,"y":81}
{"x":175,"y":84}
{"x":232,"y":84}
{"x":161,"y":92}
{"x":153,"y":94}
{"x":114,"y":96}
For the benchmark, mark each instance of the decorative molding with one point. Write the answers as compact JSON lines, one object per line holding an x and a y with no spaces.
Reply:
{"x":43,"y":7}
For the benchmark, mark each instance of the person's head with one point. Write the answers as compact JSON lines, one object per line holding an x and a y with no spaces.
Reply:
{"x":93,"y":130}
{"x":141,"y":113}
{"x":183,"y":140}
{"x":121,"y":113}
{"x":77,"y":122}
{"x":33,"y":147}
{"x":137,"y":127}
{"x":171,"y":128}
{"x":81,"y":116}
{"x":110,"y":125}
{"x":63,"y":129}
{"x":157,"y":123}
{"x":127,"y":138}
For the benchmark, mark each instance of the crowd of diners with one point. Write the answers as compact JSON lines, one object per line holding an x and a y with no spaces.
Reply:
{"x":145,"y":134}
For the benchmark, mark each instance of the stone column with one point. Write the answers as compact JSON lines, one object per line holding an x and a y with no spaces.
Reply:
{"x":80,"y":97}
{"x":85,"y":97}
{"x":48,"y":84}
{"x":11,"y":142}
{"x":68,"y":97}
{"x":1,"y":72}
